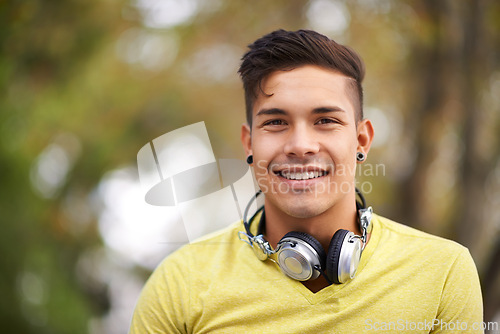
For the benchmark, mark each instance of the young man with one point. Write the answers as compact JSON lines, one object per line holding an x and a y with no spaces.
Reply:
{"x":324,"y":264}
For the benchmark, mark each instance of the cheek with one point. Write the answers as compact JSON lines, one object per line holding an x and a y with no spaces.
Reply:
{"x":343,"y":154}
{"x":260,"y":168}
{"x":262,"y":154}
{"x":264,"y":148}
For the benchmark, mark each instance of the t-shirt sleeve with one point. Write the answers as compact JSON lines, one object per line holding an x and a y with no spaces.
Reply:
{"x":461,"y":307}
{"x":162,"y":304}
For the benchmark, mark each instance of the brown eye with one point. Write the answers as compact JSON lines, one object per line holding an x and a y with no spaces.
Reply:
{"x":326,"y":121}
{"x":275,"y":122}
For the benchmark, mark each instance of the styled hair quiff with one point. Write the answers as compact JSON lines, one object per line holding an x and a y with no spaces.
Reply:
{"x":283,"y":50}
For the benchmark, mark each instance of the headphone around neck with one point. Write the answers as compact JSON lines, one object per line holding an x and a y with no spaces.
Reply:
{"x":301,"y":257}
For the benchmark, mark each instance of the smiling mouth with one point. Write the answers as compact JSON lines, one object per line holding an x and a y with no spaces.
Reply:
{"x":299,"y":176}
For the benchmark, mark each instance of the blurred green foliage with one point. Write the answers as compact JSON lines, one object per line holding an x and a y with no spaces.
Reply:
{"x":85,"y":84}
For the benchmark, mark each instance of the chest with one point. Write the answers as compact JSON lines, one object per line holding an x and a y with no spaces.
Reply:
{"x":267,"y":302}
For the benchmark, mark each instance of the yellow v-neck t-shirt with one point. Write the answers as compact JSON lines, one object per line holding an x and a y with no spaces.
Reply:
{"x":407,"y":281}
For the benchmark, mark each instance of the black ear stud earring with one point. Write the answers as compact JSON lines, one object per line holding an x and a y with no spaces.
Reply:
{"x":360,"y":156}
{"x":250,"y":159}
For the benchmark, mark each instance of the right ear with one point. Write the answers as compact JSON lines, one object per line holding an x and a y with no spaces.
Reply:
{"x":246,"y":139}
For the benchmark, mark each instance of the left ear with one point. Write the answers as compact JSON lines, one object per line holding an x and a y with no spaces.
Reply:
{"x":246,"y":139}
{"x":365,"y":136}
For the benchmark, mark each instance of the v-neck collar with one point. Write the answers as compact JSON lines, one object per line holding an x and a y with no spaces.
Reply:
{"x":330,"y":291}
{"x":333,"y":290}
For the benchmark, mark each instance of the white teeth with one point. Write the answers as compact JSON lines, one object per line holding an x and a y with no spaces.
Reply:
{"x":302,"y":176}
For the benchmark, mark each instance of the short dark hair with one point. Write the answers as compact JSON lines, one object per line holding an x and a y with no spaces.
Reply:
{"x":285,"y":50}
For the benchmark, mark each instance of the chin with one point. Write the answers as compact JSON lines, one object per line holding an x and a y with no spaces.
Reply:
{"x":303,"y":209}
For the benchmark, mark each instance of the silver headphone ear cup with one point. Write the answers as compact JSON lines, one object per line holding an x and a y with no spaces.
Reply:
{"x":299,"y":255}
{"x":311,"y":241}
{"x":343,"y":256}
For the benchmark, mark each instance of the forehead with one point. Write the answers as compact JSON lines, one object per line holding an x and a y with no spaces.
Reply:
{"x":304,"y":87}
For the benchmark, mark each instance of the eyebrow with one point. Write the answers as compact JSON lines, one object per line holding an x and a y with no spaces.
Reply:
{"x":324,"y":110}
{"x":271,"y":111}
{"x":319,"y":110}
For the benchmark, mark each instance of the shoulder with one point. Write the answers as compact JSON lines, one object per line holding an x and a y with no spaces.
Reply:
{"x":438,"y":274}
{"x":187,"y":272}
{"x":423,"y":251}
{"x":396,"y":232}
{"x":204,"y":251}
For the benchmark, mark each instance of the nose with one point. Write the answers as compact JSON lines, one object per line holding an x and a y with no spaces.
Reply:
{"x":301,"y":142}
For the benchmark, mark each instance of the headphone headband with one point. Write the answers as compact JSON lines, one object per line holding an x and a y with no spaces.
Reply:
{"x":245,"y":213}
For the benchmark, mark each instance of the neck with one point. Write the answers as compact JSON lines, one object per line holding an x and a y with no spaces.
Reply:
{"x":322,"y":227}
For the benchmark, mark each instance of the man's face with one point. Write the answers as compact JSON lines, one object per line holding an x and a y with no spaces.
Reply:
{"x":304,"y":140}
